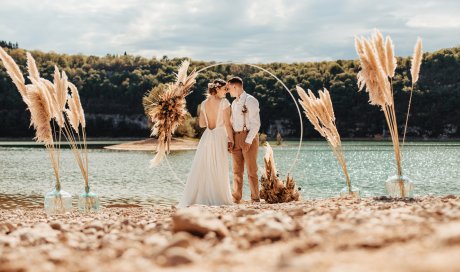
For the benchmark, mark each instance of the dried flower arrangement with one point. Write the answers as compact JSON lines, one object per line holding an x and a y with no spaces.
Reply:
{"x":274,"y":190}
{"x":320,"y":113}
{"x":165,"y":106}
{"x":56,"y":111}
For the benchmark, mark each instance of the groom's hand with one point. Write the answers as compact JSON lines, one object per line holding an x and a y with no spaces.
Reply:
{"x":246,"y":147}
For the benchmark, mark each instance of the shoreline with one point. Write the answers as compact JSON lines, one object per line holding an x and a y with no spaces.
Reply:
{"x":187,"y":144}
{"x":150,"y":144}
{"x":334,"y":234}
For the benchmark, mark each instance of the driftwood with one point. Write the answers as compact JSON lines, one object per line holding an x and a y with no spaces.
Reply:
{"x":274,"y":190}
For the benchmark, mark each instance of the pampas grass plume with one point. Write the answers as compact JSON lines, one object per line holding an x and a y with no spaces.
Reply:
{"x":15,"y":73}
{"x":391,"y":60}
{"x":416,"y":61}
{"x":32,"y":67}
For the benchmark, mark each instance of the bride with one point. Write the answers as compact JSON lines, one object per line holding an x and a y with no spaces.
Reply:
{"x":208,"y":181}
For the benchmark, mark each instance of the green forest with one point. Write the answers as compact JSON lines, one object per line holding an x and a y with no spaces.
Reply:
{"x":112,"y":87}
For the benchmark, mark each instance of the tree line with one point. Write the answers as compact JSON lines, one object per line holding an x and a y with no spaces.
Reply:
{"x":111,"y":89}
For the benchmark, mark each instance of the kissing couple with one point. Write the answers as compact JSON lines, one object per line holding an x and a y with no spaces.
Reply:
{"x":230,"y":128}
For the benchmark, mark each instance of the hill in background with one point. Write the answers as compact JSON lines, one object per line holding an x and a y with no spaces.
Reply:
{"x":111,"y":89}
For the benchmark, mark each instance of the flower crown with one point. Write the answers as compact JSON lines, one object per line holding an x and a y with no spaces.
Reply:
{"x":214,"y":85}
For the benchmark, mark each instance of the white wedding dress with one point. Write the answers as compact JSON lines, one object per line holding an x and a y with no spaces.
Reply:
{"x":208,"y":181}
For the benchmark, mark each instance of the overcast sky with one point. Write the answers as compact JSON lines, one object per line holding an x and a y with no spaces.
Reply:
{"x":237,"y":30}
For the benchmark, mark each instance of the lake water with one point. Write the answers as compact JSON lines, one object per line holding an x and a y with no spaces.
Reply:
{"x":124,"y":177}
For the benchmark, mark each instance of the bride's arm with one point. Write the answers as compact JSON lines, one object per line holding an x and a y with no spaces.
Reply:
{"x":201,"y":117}
{"x":228,"y":125}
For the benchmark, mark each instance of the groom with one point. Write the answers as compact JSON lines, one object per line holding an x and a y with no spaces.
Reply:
{"x":246,"y":123}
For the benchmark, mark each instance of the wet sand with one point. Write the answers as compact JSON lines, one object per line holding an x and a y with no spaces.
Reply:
{"x":371,"y":234}
{"x":150,"y":144}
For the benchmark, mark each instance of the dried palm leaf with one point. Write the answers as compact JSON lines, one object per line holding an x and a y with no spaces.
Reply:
{"x":165,"y":106}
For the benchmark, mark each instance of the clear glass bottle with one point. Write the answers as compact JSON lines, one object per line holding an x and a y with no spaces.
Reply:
{"x":88,"y":201}
{"x":58,"y":202}
{"x":399,"y":186}
{"x":354,"y":192}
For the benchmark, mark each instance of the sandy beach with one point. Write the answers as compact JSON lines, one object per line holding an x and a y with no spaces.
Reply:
{"x":371,"y":234}
{"x":150,"y":144}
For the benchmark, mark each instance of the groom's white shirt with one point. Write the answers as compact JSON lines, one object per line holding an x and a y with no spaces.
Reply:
{"x":252,"y":116}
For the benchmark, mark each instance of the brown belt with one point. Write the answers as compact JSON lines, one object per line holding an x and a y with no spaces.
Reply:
{"x":239,"y":132}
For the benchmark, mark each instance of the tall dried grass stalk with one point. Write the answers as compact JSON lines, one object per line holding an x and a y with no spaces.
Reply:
{"x":391,"y":60}
{"x":165,"y":106}
{"x":380,"y":48}
{"x":40,"y":106}
{"x":320,"y":113}
{"x":32,"y":67}
{"x":40,"y":116}
{"x":50,"y":104}
{"x":377,"y":79}
{"x":416,"y":61}
{"x":414,"y":71}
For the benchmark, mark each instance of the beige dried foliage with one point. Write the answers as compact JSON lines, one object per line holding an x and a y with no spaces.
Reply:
{"x":320,"y":113}
{"x":416,"y":61}
{"x":415,"y":71}
{"x":15,"y":74}
{"x":56,"y":111}
{"x":380,"y":48}
{"x":375,"y":77}
{"x":165,"y":106}
{"x":47,"y":101}
{"x":32,"y":67}
{"x":76,"y":97}
{"x":372,"y":76}
{"x":391,"y":60}
{"x":60,"y":89}
{"x":73,"y":114}
{"x":40,"y":116}
{"x":272,"y":189}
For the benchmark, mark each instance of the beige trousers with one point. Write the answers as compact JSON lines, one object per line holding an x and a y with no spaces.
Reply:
{"x":241,"y":158}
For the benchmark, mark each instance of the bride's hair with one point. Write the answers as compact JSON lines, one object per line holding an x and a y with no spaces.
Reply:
{"x":217,"y":83}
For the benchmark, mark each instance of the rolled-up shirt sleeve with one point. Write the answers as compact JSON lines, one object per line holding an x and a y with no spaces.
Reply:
{"x":253,"y":119}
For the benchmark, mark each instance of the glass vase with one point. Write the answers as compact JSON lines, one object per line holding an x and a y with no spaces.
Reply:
{"x":354,"y":192}
{"x":58,"y":202}
{"x":88,"y":201}
{"x":399,"y":186}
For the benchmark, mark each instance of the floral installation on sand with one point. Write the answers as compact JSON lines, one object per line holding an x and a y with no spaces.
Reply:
{"x":165,"y":106}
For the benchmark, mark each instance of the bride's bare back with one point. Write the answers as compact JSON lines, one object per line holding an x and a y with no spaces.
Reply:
{"x":209,"y":116}
{"x":211,"y":106}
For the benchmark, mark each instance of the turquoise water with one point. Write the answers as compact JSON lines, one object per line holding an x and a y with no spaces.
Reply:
{"x":124,"y":177}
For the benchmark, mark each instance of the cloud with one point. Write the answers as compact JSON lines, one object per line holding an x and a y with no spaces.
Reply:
{"x":238,"y":30}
